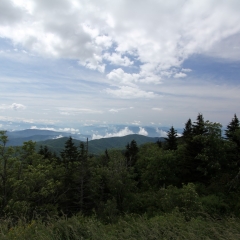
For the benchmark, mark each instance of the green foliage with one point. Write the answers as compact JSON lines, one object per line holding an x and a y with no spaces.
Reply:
{"x":157,"y":167}
{"x":182,"y":182}
{"x":185,"y":199}
{"x":171,"y":140}
{"x":131,"y":153}
{"x":232,"y":131}
{"x":188,"y":131}
{"x":214,"y":205}
{"x":168,"y":226}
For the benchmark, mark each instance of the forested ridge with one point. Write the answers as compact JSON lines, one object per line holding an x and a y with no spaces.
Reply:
{"x":182,"y":188}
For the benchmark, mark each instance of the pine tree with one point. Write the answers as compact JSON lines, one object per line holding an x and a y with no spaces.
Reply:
{"x":199,"y":126}
{"x":131,"y":153}
{"x":70,"y":153}
{"x":171,"y":139}
{"x":188,"y":130}
{"x":233,"y":130}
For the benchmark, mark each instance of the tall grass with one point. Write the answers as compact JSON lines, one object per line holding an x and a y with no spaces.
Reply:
{"x":168,"y":226}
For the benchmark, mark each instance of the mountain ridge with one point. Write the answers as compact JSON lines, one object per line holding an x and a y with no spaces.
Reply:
{"x":98,"y":146}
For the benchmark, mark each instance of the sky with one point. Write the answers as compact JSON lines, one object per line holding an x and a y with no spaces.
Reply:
{"x":73,"y":63}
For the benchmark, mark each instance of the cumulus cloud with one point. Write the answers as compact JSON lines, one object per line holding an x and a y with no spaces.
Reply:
{"x":71,"y":130}
{"x":142,"y":131}
{"x":161,"y":132}
{"x":92,"y":32}
{"x":59,"y":136}
{"x":118,"y":59}
{"x":180,"y":75}
{"x":118,"y":76}
{"x":121,"y":133}
{"x":17,"y":106}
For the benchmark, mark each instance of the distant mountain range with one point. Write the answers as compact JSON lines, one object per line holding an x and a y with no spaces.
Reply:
{"x":55,"y":141}
{"x":99,"y":145}
{"x":17,"y":138}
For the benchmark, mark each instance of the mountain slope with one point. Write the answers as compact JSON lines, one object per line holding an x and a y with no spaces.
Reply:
{"x":99,"y":145}
{"x":17,"y":138}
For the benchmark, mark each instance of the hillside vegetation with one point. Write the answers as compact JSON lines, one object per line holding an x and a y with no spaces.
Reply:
{"x":184,"y":188}
{"x":98,"y":146}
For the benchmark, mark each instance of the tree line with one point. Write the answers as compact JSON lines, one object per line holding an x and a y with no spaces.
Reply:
{"x":197,"y":172}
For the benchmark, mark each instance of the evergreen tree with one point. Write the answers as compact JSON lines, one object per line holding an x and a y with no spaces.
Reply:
{"x":198,"y":127}
{"x":159,"y":143}
{"x":45,"y":152}
{"x":171,"y":140}
{"x":233,"y":131}
{"x":188,"y":130}
{"x":70,"y":153}
{"x":131,"y":153}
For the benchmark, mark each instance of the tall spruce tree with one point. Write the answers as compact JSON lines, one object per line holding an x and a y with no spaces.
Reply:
{"x":131,"y":153}
{"x":70,"y":152}
{"x":171,"y":140}
{"x":233,"y":131}
{"x":188,"y":130}
{"x":199,"y":126}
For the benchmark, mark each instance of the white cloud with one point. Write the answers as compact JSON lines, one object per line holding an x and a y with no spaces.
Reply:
{"x":161,"y":132}
{"x":186,"y":70}
{"x":123,"y":48}
{"x":180,"y":75}
{"x":17,"y":106}
{"x":118,"y":76}
{"x":93,"y":63}
{"x":121,"y":133}
{"x":14,"y":106}
{"x":118,"y":59}
{"x":142,"y":131}
{"x":88,"y":30}
{"x":45,"y":128}
{"x":69,"y":130}
{"x":59,"y":136}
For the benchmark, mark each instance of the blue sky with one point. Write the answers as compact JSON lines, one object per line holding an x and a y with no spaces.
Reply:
{"x":72,"y":63}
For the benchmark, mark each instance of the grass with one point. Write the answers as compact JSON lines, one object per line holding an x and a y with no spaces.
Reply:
{"x":168,"y":226}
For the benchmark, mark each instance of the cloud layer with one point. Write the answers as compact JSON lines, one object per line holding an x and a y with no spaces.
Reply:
{"x":159,"y":35}
{"x":85,"y":61}
{"x":124,"y":132}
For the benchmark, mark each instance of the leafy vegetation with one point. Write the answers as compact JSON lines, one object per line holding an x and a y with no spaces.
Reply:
{"x":182,"y":188}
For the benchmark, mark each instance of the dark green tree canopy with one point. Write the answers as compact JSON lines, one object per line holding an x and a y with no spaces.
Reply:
{"x":171,"y":140}
{"x":199,"y":126}
{"x":188,"y":130}
{"x":232,"y":131}
{"x":131,"y":152}
{"x":70,"y":152}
